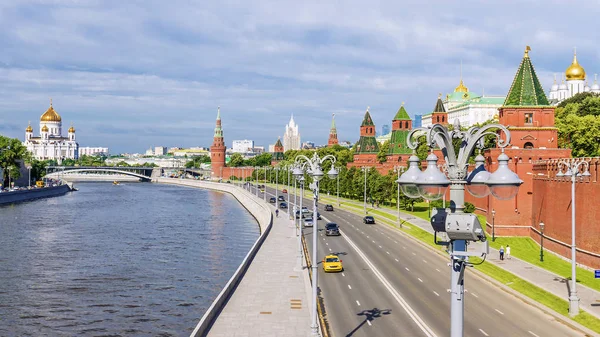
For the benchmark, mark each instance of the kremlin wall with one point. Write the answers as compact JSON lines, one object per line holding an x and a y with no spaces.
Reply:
{"x":533,"y":153}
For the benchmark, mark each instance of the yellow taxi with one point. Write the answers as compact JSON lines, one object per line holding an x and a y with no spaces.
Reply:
{"x":332,"y":263}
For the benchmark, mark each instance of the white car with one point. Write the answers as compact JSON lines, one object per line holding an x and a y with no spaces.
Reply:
{"x":308,"y":222}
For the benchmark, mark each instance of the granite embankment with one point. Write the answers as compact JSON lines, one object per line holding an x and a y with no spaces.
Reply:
{"x":36,"y":193}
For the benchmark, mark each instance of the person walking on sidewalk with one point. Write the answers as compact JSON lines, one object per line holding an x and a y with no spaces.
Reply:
{"x":508,"y":252}
{"x":277,"y":213}
{"x":501,"y":253}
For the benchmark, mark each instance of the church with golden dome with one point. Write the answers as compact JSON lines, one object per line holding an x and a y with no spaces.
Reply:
{"x":51,"y":144}
{"x":573,"y":83}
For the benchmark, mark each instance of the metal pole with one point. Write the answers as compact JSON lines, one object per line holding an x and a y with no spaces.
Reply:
{"x":398,"y":201}
{"x":288,"y":192}
{"x":276,"y":185}
{"x":338,"y":190}
{"x":365,"y":190}
{"x":493,"y":226}
{"x":301,"y":185}
{"x":299,"y":264}
{"x":542,"y":246}
{"x":314,"y":326}
{"x":573,"y":299}
{"x":457,"y":303}
{"x":29,"y":181}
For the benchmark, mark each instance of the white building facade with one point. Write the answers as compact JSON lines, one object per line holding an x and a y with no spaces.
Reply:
{"x":51,"y":144}
{"x":291,"y":137}
{"x":93,"y":151}
{"x":576,"y":83}
{"x":242,"y":146}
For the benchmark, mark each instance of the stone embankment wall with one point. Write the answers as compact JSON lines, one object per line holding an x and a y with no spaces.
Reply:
{"x":259,"y":210}
{"x":36,"y":193}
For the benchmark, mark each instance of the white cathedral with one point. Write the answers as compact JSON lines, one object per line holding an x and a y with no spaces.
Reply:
{"x":291,"y":137}
{"x":51,"y":144}
{"x":576,"y":83}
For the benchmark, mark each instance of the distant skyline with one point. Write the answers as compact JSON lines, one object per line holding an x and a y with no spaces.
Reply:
{"x":138,"y":74}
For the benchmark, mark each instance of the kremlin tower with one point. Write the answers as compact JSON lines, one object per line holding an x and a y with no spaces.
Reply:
{"x":217,"y":150}
{"x":333,"y":138}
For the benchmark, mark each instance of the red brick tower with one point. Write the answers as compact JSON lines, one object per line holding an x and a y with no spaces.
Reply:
{"x":366,"y":149}
{"x":333,"y":139}
{"x":277,"y":152}
{"x":217,"y":150}
{"x":439,"y":115}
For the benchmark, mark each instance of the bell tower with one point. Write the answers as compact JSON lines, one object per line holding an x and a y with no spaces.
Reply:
{"x":217,"y":150}
{"x":333,"y":138}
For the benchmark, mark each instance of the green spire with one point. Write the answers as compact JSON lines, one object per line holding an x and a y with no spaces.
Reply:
{"x":278,"y":143}
{"x":401,"y":115}
{"x":367,"y":121}
{"x":333,"y":128}
{"x":439,"y":105}
{"x":218,"y":129}
{"x":526,"y":89}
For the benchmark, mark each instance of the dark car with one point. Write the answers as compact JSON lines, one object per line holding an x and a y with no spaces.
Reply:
{"x":369,"y":220}
{"x":281,"y":198}
{"x":329,"y":208}
{"x":318,"y":216}
{"x":305,"y":214}
{"x":272,"y":200}
{"x":332,"y":229}
{"x":283,"y":205}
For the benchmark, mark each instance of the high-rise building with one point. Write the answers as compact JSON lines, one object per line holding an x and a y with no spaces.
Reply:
{"x":291,"y":137}
{"x":160,"y":150}
{"x":242,"y":146}
{"x":51,"y":144}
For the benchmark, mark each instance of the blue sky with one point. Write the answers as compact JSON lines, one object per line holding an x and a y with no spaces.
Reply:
{"x":135,"y":74}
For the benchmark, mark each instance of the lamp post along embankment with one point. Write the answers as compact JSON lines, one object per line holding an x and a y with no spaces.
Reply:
{"x":458,"y":228}
{"x":314,"y":170}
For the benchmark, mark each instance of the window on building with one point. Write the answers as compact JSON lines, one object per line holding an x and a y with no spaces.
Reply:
{"x":529,"y":118}
{"x":528,"y":145}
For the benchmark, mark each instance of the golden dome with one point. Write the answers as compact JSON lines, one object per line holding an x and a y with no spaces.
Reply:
{"x":575,"y":71}
{"x":461,"y":87}
{"x":71,"y":129}
{"x":29,"y":128}
{"x":44,"y":128}
{"x":50,"y":115}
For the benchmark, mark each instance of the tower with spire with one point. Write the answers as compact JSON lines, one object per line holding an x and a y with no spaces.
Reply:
{"x":367,"y":147}
{"x":401,"y":127}
{"x":291,"y":137}
{"x":576,"y":83}
{"x":217,"y":149}
{"x":439,"y":114}
{"x":333,"y":138}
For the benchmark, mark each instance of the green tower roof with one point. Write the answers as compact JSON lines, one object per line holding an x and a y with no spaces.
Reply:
{"x":401,"y":115}
{"x":439,"y":105}
{"x":278,"y":143}
{"x":526,"y":89}
{"x":398,"y":142}
{"x":367,"y":144}
{"x":367,"y":121}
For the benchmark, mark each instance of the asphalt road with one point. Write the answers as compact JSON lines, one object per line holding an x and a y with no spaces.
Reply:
{"x":394,"y":286}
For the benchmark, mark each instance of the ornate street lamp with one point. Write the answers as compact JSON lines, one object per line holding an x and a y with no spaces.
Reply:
{"x":431,"y":184}
{"x":542,"y":242}
{"x":574,"y":166}
{"x":298,"y":174}
{"x":314,"y":170}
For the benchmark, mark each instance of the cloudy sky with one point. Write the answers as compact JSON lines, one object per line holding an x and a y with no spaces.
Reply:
{"x":135,"y":74}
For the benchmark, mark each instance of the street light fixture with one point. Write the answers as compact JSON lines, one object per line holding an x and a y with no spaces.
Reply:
{"x":314,"y":170}
{"x":431,"y":184}
{"x":493,"y":225}
{"x":364,"y":168}
{"x":574,"y":166}
{"x":398,"y":170}
{"x":542,"y":242}
{"x":298,"y":174}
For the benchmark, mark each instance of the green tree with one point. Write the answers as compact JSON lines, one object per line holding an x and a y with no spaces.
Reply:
{"x":578,"y":125}
{"x":236,"y":160}
{"x":383,"y":152}
{"x":12,"y":154}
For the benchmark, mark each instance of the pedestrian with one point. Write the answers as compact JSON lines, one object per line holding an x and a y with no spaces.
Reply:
{"x":501,"y":253}
{"x":508,"y":252}
{"x":277,"y":213}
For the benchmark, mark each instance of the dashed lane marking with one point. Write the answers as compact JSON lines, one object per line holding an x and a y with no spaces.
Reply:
{"x":415,"y":254}
{"x":483,"y":332}
{"x":396,"y":260}
{"x":406,"y":269}
{"x":373,"y":241}
{"x":395,"y":241}
{"x":500,"y":312}
{"x":436,"y":294}
{"x":357,"y":302}
{"x":327,"y":243}
{"x":343,"y":274}
{"x":388,"y":253}
{"x":349,"y":287}
{"x":329,"y":249}
{"x":438,"y":270}
{"x":533,"y":334}
{"x":418,"y":278}
{"x":425,"y":261}
{"x":380,"y":247}
{"x":369,"y":322}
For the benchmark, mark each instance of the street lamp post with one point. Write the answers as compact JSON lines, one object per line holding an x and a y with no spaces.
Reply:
{"x":314,"y":170}
{"x":574,"y":166}
{"x":338,"y":190}
{"x":265,"y":190}
{"x":493,"y":225}
{"x":431,"y":184}
{"x":289,"y":187}
{"x":276,"y":185}
{"x":364,"y":168}
{"x":398,"y":169}
{"x":29,"y":179}
{"x":542,"y":242}
{"x":299,"y":263}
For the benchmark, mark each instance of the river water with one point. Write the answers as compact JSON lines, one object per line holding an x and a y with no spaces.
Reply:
{"x":136,"y":259}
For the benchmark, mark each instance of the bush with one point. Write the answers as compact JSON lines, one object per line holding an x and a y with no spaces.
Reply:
{"x":469,"y":207}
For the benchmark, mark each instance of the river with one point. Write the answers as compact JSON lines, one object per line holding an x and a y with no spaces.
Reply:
{"x":137,"y":259}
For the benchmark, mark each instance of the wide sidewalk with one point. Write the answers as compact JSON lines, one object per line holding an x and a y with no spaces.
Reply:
{"x":553,"y":283}
{"x":272,"y":297}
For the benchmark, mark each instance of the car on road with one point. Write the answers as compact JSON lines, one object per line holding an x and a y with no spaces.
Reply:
{"x":281,"y":198}
{"x":308,"y":222}
{"x":332,"y":263}
{"x":272,"y":200}
{"x":329,"y":208}
{"x":283,"y":205}
{"x":369,"y":220}
{"x":305,"y":214}
{"x":332,"y":229}
{"x":318,"y":216}
{"x":284,"y":190}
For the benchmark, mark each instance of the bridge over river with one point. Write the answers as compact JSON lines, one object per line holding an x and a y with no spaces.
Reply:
{"x":135,"y":173}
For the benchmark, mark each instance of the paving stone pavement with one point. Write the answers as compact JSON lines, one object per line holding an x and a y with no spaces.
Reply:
{"x":272,"y":297}
{"x":553,"y":283}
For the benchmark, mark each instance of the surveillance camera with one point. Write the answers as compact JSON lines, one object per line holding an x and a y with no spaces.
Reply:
{"x":464,"y":226}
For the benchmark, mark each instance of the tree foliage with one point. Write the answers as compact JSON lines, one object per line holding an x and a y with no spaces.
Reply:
{"x":12,"y":154}
{"x":578,"y":123}
{"x":197,"y":161}
{"x":383,"y":152}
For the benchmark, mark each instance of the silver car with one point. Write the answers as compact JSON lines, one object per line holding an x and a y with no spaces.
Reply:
{"x":308,"y":222}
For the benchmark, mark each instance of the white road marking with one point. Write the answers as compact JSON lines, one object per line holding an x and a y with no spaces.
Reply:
{"x":380,"y":247}
{"x":438,"y":270}
{"x":403,"y":247}
{"x":369,"y":322}
{"x":396,"y":260}
{"x":389,"y":238}
{"x":329,"y":249}
{"x":483,"y":332}
{"x":436,"y":294}
{"x":327,"y":243}
{"x":409,"y":310}
{"x":533,"y":334}
{"x":415,"y":254}
{"x":425,"y":261}
{"x":406,"y":269}
{"x":395,"y":241}
{"x":367,"y":236}
{"x":388,"y":253}
{"x":500,"y":312}
{"x":343,"y":274}
{"x":373,"y":241}
{"x":474,"y":294}
{"x":418,"y":278}
{"x":357,"y":302}
{"x":349,"y":287}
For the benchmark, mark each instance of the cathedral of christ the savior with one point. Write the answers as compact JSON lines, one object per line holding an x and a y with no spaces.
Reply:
{"x":51,"y":144}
